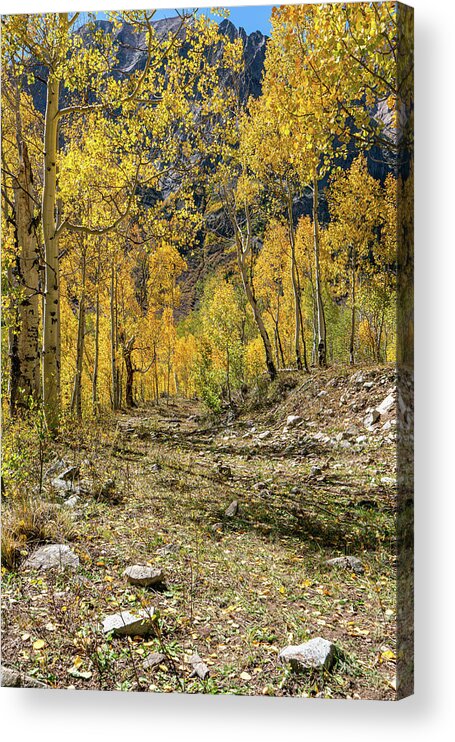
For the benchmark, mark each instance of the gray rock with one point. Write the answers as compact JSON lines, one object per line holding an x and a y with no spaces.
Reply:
{"x":232,"y":509}
{"x":200,"y":669}
{"x":292,"y":420}
{"x":14,"y":679}
{"x":361,"y":439}
{"x":372,"y":418}
{"x":57,"y":465}
{"x":264,"y":435}
{"x":144,"y":576}
{"x":131,"y":624}
{"x":52,"y":556}
{"x":316,"y":653}
{"x":348,"y":562}
{"x":357,"y":378}
{"x":69,"y":474}
{"x":72,"y":501}
{"x":153,"y":659}
{"x":387,"y":404}
{"x":63,"y":486}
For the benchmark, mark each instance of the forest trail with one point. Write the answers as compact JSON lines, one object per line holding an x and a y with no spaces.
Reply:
{"x":237,"y":588}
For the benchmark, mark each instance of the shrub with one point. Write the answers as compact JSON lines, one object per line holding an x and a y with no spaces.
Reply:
{"x":30,"y":522}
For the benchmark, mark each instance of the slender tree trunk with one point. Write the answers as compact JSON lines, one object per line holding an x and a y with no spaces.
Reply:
{"x":76,"y":398}
{"x":302,"y":326}
{"x":114,"y":370}
{"x":95,"y":403}
{"x":379,"y":337}
{"x":295,"y":286}
{"x":51,"y":318}
{"x":278,"y":345}
{"x":24,"y":348}
{"x":157,"y":384}
{"x":129,"y":380}
{"x":322,"y":339}
{"x":228,"y":380}
{"x":271,"y":369}
{"x":353,"y":308}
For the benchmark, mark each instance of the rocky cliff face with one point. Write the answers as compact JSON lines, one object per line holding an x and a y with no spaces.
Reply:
{"x":133,"y":48}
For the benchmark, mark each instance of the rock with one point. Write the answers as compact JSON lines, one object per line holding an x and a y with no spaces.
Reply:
{"x":357,"y":378}
{"x":322,"y":393}
{"x":144,"y":576}
{"x":316,"y":653}
{"x":315,"y":471}
{"x":361,"y":439}
{"x":131,"y":624}
{"x":63,"y":486}
{"x":69,"y":474}
{"x":292,"y":420}
{"x":10,"y":678}
{"x":52,"y":556}
{"x":200,"y":669}
{"x":72,"y":501}
{"x":347,"y":562}
{"x":264,"y":435}
{"x":153,"y":659}
{"x":232,"y":509}
{"x":368,"y":384}
{"x":372,"y":418}
{"x":387,"y":404}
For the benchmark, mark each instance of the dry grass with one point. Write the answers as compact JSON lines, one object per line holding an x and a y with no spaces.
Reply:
{"x":30,"y":522}
{"x":237,"y":590}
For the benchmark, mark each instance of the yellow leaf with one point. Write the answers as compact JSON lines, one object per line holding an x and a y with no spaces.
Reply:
{"x":77,"y":662}
{"x":39,"y":644}
{"x":245,"y":676}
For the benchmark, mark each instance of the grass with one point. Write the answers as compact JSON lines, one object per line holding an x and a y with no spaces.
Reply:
{"x":236,"y":593}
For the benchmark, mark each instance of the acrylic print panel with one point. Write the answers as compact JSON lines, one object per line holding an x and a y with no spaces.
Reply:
{"x":207,"y":351}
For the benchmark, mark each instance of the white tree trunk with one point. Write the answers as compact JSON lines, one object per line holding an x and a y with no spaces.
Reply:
{"x":51,"y":318}
{"x":322,"y":339}
{"x":25,"y":358}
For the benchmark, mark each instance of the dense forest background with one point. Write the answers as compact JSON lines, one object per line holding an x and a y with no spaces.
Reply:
{"x":187,"y":208}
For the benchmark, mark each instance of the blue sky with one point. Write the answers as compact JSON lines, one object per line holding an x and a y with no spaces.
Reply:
{"x":252,"y":18}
